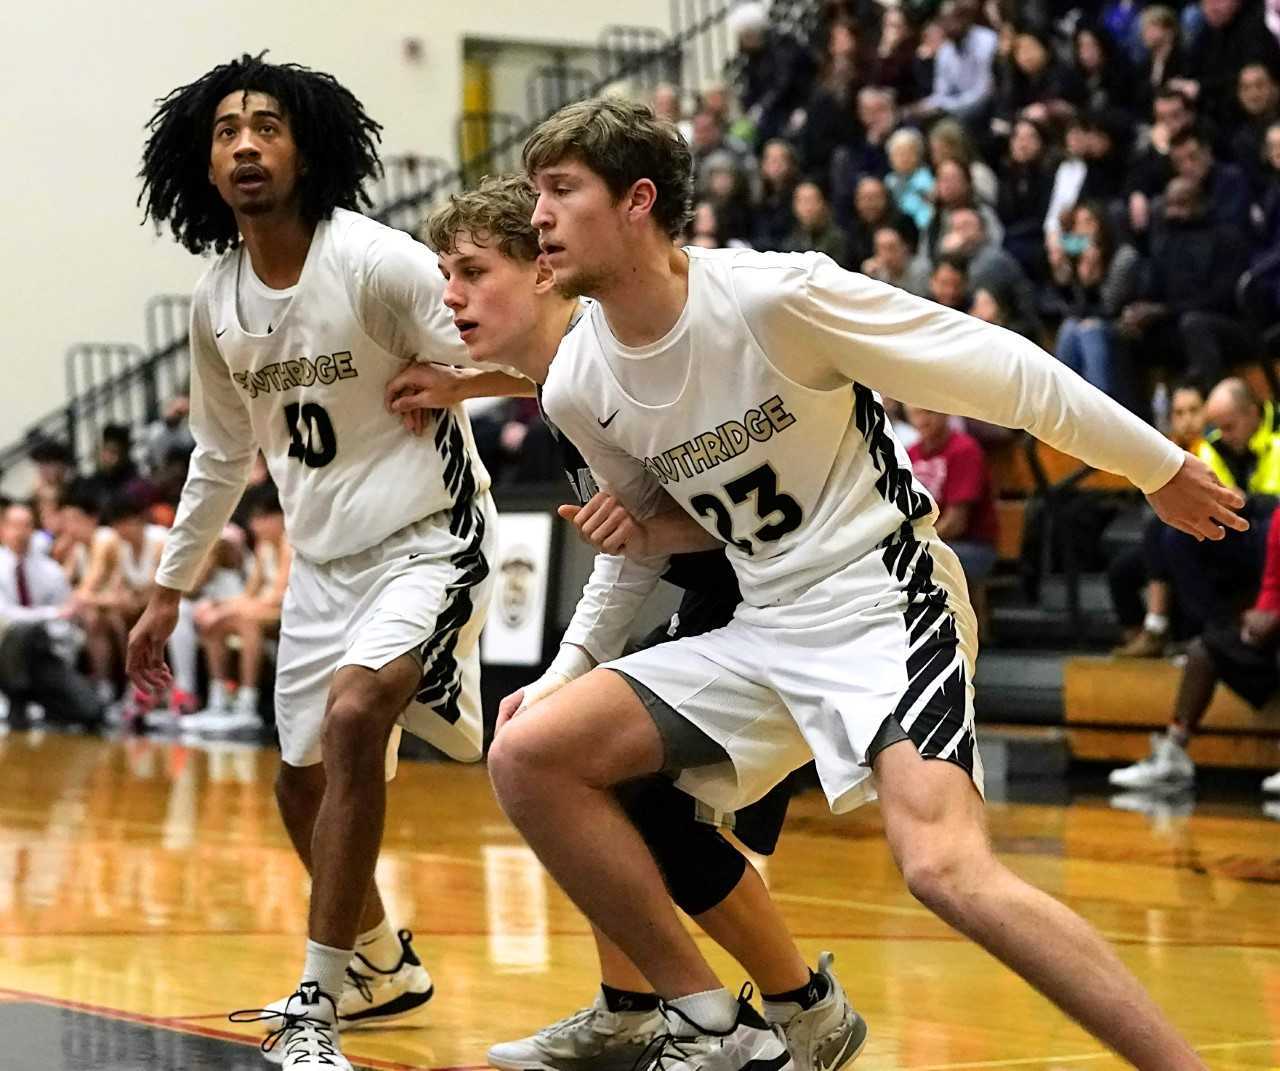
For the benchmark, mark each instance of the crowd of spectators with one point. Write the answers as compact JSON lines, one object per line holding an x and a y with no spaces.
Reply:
{"x":1102,"y":177}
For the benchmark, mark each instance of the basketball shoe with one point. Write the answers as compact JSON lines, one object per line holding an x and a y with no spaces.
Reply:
{"x":1168,"y":765}
{"x":750,"y":1044}
{"x":372,"y":995}
{"x":594,"y":1037}
{"x":826,"y":1035}
{"x":304,"y":1033}
{"x":1272,"y":783}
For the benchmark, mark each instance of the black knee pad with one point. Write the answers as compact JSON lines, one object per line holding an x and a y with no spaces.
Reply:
{"x":699,"y":866}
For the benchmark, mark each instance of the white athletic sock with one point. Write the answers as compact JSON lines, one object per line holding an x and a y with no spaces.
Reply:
{"x":327,"y":967}
{"x":381,"y":946}
{"x":714,"y":1011}
{"x":219,"y":695}
{"x":1156,"y":623}
{"x":246,"y":700}
{"x":184,"y":648}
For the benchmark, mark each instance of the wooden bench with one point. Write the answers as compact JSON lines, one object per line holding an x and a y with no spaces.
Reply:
{"x":1113,"y":704}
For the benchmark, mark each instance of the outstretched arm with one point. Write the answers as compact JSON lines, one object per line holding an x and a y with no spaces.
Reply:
{"x":608,"y":525}
{"x":420,"y":387}
{"x":839,"y":328}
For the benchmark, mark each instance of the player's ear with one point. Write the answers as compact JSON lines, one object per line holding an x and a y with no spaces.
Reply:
{"x":641,"y":199}
{"x":544,"y":279}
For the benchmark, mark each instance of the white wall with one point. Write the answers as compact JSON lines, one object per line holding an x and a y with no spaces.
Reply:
{"x":78,"y":81}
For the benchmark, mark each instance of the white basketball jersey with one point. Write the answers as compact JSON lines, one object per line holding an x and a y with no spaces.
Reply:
{"x":799,"y":482}
{"x":349,"y":475}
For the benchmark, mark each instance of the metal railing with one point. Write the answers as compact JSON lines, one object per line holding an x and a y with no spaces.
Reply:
{"x":695,"y":53}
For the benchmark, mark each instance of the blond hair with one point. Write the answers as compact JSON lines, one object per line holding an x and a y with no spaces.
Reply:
{"x":497,"y":211}
{"x":622,"y":142}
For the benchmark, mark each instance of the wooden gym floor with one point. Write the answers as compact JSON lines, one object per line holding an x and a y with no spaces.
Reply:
{"x":147,"y":888}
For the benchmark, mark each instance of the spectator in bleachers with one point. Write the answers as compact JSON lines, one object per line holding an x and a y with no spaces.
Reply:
{"x":704,"y":229}
{"x":948,"y":140}
{"x":712,"y":146}
{"x":1225,"y":190}
{"x":873,"y":208}
{"x":37,"y":645}
{"x":170,"y":434}
{"x":963,"y":82}
{"x":814,"y":228}
{"x":117,"y":583}
{"x":1104,"y":71}
{"x":116,"y":472}
{"x":909,"y":178}
{"x":1241,"y":652}
{"x":994,"y":305}
{"x":55,"y":465}
{"x":829,"y":121}
{"x":954,"y":191}
{"x":895,"y":260}
{"x":952,"y":466}
{"x":991,"y":268}
{"x":771,"y":213}
{"x":1026,"y":182}
{"x":1165,"y":61}
{"x":252,"y":617}
{"x":1150,"y":169}
{"x":892,"y":64}
{"x":1186,"y":306}
{"x":666,"y":104}
{"x":1097,"y":277}
{"x":1234,"y":36}
{"x":772,"y":72}
{"x":1140,"y":591}
{"x":1265,"y":214}
{"x":727,"y":193}
{"x":878,"y":114}
{"x":1259,"y":96}
{"x":1032,"y":78}
{"x":77,"y":527}
{"x":949,"y":282}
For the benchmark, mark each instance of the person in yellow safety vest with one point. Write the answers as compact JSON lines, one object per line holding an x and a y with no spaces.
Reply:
{"x":1244,"y":448}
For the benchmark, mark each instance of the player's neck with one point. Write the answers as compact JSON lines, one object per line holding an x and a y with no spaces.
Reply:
{"x":645,"y":299}
{"x":550,"y":333}
{"x":277,"y":245}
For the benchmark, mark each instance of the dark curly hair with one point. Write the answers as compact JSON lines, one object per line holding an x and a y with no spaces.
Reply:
{"x":335,"y":137}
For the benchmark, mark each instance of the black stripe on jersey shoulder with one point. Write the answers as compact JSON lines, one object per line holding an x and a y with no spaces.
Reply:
{"x":896,"y":484}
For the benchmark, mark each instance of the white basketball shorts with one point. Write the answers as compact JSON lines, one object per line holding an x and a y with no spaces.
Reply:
{"x":422,"y":591}
{"x":890,"y":636}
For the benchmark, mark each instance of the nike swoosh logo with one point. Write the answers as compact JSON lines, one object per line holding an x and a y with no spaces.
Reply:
{"x":219,"y":334}
{"x":606,"y":423}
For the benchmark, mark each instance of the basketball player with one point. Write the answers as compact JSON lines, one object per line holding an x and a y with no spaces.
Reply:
{"x":504,"y":301}
{"x":744,"y":386}
{"x":295,"y":330}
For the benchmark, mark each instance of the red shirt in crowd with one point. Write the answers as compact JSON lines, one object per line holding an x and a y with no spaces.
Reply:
{"x":956,"y":474}
{"x":1269,"y":593}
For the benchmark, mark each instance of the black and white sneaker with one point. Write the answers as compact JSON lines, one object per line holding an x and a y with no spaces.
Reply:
{"x":829,"y":1033}
{"x":751,"y":1045}
{"x":372,"y":995}
{"x":593,"y":1037}
{"x":304,"y":1034}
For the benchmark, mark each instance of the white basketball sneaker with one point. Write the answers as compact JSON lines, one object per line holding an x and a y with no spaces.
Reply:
{"x":304,"y":1034}
{"x":1272,"y":783}
{"x":750,"y":1045}
{"x":372,"y":995}
{"x":594,"y":1037}
{"x":828,"y":1034}
{"x":1168,"y":766}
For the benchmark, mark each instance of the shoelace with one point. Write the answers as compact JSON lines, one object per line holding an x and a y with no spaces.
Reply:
{"x":361,"y":982}
{"x":290,"y":1021}
{"x":568,"y":1022}
{"x":663,"y":1047}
